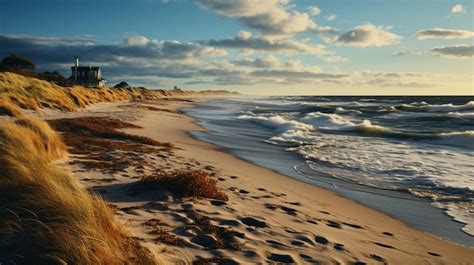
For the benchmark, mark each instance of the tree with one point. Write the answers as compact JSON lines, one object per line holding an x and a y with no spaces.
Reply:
{"x":54,"y":77}
{"x":17,"y":63}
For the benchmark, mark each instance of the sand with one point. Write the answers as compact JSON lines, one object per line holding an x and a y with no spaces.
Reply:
{"x":268,"y":218}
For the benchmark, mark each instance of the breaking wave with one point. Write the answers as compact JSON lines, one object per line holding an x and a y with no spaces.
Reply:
{"x":423,"y":106}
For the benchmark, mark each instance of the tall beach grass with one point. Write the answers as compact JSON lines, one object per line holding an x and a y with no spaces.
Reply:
{"x":46,"y":215}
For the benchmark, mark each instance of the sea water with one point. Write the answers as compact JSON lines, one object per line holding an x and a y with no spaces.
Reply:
{"x":421,"y":146}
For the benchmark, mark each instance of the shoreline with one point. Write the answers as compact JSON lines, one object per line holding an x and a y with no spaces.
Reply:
{"x":398,"y":204}
{"x":300,"y":226}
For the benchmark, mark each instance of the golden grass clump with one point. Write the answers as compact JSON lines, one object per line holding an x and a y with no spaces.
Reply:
{"x":46,"y":215}
{"x":184,"y":184}
{"x":8,"y":108}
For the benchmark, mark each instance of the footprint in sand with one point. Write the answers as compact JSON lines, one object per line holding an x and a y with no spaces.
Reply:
{"x":304,"y":238}
{"x":308,"y":258}
{"x":377,"y":258}
{"x":204,"y":240}
{"x":334,"y":224}
{"x":230,"y":222}
{"x":288,"y":210}
{"x":250,"y":221}
{"x":283,"y":258}
{"x":217,"y":202}
{"x":298,"y":243}
{"x":355,"y":226}
{"x":383,"y":245}
{"x":277,"y":244}
{"x":340,"y":247}
{"x":321,"y":240}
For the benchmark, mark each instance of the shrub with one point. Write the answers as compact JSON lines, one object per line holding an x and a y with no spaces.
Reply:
{"x":17,"y":63}
{"x":195,"y":184}
{"x":54,"y":77}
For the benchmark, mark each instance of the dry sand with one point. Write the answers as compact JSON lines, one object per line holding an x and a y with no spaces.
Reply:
{"x":270,"y":218}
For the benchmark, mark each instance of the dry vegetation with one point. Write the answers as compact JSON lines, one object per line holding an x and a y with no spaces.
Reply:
{"x":184,"y":184}
{"x":101,"y":145}
{"x":46,"y":216}
{"x":32,"y":93}
{"x":8,"y":108}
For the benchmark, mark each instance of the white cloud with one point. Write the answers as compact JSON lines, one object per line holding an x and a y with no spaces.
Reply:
{"x":245,"y":40}
{"x":439,"y":33}
{"x":136,"y":41}
{"x":366,"y":35}
{"x":330,"y":17}
{"x":268,"y":61}
{"x":459,"y":51}
{"x":244,"y":35}
{"x":271,"y":17}
{"x":314,"y":10}
{"x":325,"y":30}
{"x":458,"y":8}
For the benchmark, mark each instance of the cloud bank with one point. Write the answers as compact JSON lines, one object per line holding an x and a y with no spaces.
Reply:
{"x":440,"y":33}
{"x":459,"y":51}
{"x":245,"y":40}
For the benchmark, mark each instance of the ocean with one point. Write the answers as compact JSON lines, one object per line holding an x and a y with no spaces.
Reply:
{"x":410,"y":157}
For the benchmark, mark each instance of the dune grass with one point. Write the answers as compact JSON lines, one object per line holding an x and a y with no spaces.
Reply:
{"x":185,"y":184}
{"x":8,"y":108}
{"x":46,"y":215}
{"x":33,"y":93}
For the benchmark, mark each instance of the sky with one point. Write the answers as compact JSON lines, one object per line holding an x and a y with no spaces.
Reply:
{"x":290,"y":47}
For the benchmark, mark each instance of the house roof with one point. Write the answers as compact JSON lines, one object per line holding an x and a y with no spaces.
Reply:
{"x":86,"y":68}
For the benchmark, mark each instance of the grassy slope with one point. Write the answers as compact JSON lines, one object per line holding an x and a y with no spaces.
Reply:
{"x":32,"y":93}
{"x":46,"y":215}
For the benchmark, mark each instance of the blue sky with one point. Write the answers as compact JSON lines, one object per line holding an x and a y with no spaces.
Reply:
{"x":267,"y":46}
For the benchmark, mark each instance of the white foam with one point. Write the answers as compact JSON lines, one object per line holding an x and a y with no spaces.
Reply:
{"x":461,"y":212}
{"x":467,"y":115}
{"x":461,"y":139}
{"x":335,"y":122}
{"x":438,"y":108}
{"x":342,"y":110}
{"x":277,"y":122}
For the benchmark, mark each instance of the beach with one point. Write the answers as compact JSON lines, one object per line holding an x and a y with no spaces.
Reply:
{"x":268,"y":217}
